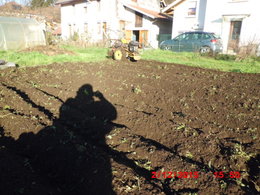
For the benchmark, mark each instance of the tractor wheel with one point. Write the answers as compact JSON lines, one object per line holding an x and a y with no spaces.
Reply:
{"x":110,"y":53}
{"x":117,"y":54}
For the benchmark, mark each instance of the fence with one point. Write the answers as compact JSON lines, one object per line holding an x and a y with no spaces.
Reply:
{"x":163,"y":37}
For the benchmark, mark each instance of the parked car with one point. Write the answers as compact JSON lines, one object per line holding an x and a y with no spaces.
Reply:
{"x":203,"y":42}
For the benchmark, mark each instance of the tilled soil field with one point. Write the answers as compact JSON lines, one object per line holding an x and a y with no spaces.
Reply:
{"x":128,"y":128}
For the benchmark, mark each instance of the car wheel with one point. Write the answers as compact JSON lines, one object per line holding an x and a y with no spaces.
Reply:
{"x":162,"y":47}
{"x":205,"y":50}
{"x":165,"y":47}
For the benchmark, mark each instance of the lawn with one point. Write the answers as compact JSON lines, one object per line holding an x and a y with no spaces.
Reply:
{"x":194,"y":59}
{"x":33,"y":58}
{"x":95,"y":54}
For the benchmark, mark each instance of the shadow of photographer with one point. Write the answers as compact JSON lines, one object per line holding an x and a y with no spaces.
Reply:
{"x":65,"y":158}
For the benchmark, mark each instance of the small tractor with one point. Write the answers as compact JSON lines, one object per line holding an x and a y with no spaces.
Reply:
{"x":121,"y":50}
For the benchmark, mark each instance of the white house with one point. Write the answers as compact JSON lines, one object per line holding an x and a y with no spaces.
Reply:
{"x":237,"y":22}
{"x":97,"y":20}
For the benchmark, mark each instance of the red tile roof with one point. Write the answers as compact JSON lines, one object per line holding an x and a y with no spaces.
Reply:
{"x":57,"y":31}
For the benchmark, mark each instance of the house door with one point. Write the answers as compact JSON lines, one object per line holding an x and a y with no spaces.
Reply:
{"x":143,"y":37}
{"x":136,"y":35}
{"x":234,"y":35}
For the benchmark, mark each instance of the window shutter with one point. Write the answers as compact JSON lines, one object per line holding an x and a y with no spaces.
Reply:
{"x":138,"y":19}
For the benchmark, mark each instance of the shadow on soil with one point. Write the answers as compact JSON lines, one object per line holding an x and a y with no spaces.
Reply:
{"x":65,"y":158}
{"x":71,"y":157}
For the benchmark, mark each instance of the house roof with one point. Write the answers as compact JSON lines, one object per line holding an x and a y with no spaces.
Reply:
{"x":62,"y":2}
{"x":150,"y":13}
{"x":171,"y":6}
{"x":57,"y":31}
{"x":168,"y":1}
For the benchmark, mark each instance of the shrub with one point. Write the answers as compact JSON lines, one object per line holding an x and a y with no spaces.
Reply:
{"x":75,"y":36}
{"x":50,"y":39}
{"x":248,"y":50}
{"x":256,"y":58}
{"x":225,"y":57}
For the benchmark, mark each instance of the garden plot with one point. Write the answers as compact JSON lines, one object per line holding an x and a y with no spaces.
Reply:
{"x":123,"y":127}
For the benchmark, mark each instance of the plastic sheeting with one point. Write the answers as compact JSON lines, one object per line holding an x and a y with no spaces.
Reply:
{"x":20,"y":33}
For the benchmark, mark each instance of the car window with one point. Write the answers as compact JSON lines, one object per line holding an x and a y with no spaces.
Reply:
{"x":183,"y":37}
{"x":215,"y":36}
{"x":188,"y":36}
{"x":205,"y":36}
{"x":180,"y":37}
{"x":196,"y":36}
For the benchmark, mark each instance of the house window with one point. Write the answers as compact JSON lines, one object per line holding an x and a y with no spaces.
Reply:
{"x":122,"y":25}
{"x":104,"y":27}
{"x":86,"y":27}
{"x":71,"y":29}
{"x":192,"y":8}
{"x":99,"y":6}
{"x":162,"y":4}
{"x":99,"y":24}
{"x":138,"y":19}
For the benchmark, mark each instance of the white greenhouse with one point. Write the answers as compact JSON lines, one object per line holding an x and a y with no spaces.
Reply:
{"x":20,"y":33}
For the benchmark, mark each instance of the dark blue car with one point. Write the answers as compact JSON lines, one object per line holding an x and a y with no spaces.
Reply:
{"x":203,"y":42}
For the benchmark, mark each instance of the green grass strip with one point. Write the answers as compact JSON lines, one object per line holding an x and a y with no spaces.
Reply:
{"x":248,"y":65}
{"x":36,"y":58}
{"x":96,"y":54}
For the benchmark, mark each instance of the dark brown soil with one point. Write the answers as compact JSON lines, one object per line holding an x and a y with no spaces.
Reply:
{"x":103,"y":128}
